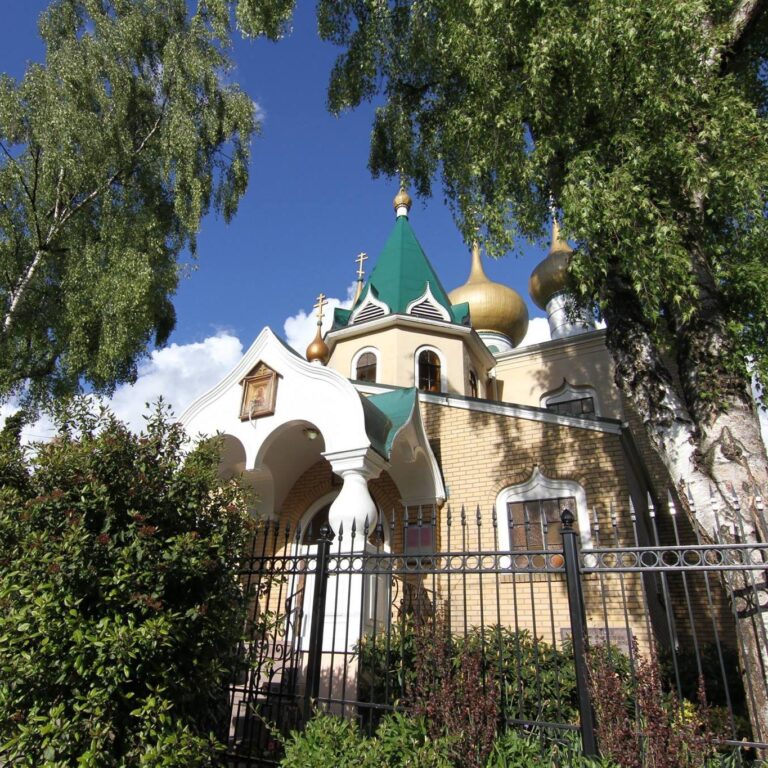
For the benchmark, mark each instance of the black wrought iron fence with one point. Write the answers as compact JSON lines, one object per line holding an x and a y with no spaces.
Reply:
{"x":345,"y":622}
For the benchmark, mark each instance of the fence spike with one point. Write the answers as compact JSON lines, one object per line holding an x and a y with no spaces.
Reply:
{"x":478,"y":515}
{"x":671,"y":503}
{"x":448,"y":515}
{"x":691,"y":500}
{"x":632,"y":515}
{"x":494,"y":517}
{"x":651,"y":507}
{"x":366,"y":527}
{"x":463,"y":516}
{"x":714,"y":502}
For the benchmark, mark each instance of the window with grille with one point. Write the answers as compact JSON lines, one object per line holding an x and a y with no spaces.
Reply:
{"x":429,"y":371}
{"x":535,"y":524}
{"x":583,"y":406}
{"x":366,"y":367}
{"x":419,"y":531}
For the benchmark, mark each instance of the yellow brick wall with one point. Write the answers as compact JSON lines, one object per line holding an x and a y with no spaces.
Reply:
{"x":481,"y":454}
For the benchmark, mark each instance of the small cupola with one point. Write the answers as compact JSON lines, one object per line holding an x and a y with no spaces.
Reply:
{"x":318,"y":351}
{"x":547,"y":286}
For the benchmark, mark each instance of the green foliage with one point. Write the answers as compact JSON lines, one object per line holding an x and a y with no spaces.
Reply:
{"x":514,"y":749}
{"x":538,"y":679}
{"x":119,"y":607}
{"x":331,"y":741}
{"x":110,"y":154}
{"x":402,"y":741}
{"x":644,"y":122}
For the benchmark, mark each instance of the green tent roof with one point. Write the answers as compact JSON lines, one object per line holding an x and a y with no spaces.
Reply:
{"x":401,"y":275}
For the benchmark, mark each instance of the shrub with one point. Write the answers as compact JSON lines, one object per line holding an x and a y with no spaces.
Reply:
{"x":453,"y":693}
{"x":399,"y":742}
{"x":403,"y":741}
{"x":514,"y":749}
{"x":639,"y":725}
{"x":119,"y":607}
{"x":538,"y":680}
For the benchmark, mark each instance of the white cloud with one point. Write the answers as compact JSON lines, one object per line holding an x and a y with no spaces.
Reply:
{"x":259,"y":113}
{"x":538,"y":331}
{"x":300,"y":328}
{"x":179,"y":372}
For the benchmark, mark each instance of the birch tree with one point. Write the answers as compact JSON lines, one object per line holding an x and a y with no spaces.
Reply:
{"x":645,"y":124}
{"x":111,"y":152}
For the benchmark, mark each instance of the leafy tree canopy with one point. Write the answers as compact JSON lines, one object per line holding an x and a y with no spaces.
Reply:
{"x":110,"y":153}
{"x":644,"y":122}
{"x":119,"y":605}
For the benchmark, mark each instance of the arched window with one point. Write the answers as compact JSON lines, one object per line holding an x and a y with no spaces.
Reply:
{"x":529,"y":513}
{"x":429,"y":371}
{"x":569,"y":400}
{"x":366,"y":367}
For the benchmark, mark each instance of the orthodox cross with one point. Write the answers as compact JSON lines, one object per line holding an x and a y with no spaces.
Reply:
{"x":361,"y":257}
{"x":321,"y":302}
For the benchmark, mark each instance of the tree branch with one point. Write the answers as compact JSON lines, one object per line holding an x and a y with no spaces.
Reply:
{"x":60,"y":217}
{"x":742,"y":23}
{"x":112,"y":179}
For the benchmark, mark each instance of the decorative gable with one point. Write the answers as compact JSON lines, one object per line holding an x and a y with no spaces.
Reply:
{"x":369,"y":309}
{"x":428,"y":306}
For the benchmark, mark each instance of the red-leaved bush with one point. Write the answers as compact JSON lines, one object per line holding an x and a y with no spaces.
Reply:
{"x":639,"y":725}
{"x":452,"y":693}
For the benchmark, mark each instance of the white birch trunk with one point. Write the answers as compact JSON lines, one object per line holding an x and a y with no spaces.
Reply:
{"x":719,"y":470}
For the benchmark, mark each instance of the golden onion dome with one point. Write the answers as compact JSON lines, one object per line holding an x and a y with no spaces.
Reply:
{"x":402,"y":199}
{"x":492,"y":306}
{"x":318,"y":349}
{"x":550,"y":275}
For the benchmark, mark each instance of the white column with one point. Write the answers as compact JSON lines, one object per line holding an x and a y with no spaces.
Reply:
{"x":354,"y":505}
{"x":346,"y":600}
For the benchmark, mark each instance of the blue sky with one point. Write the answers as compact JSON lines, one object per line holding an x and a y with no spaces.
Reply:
{"x":311,"y":205}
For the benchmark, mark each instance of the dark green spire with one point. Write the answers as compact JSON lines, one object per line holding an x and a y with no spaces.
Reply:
{"x":401,"y":275}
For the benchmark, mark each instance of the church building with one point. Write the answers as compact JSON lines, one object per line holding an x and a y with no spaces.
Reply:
{"x":418,"y":413}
